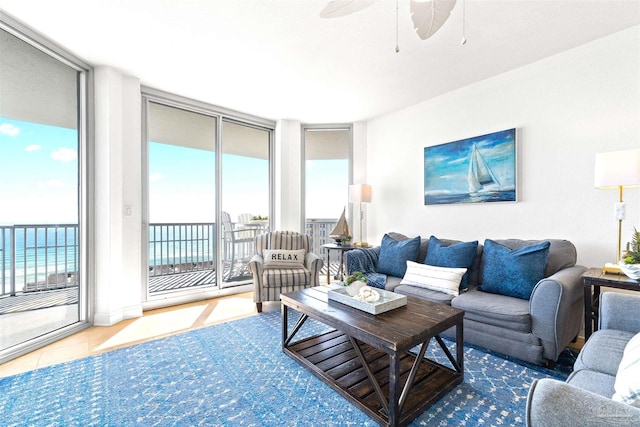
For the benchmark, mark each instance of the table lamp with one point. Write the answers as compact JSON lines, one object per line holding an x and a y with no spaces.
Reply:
{"x":617,"y":170}
{"x":360,"y":193}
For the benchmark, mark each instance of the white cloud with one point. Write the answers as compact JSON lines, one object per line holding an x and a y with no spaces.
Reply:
{"x":64,"y":154}
{"x":9,"y":129}
{"x":155,"y":177}
{"x":32,"y":147}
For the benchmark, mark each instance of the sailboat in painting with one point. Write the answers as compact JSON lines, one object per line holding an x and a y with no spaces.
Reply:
{"x":480,"y":177}
{"x":341,"y":231}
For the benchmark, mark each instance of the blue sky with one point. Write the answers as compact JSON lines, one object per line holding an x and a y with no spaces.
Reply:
{"x":39,"y":173}
{"x":40,"y":180}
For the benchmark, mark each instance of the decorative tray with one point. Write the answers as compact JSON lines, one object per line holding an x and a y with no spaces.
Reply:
{"x":388,"y":300}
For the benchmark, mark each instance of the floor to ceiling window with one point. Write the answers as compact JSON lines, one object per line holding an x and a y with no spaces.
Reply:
{"x":181,"y":199}
{"x":327,"y":177}
{"x":203,"y":210}
{"x":43,"y":136}
{"x":245,"y":196}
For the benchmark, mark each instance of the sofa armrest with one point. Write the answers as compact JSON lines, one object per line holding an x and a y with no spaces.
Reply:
{"x":556,"y":306}
{"x":555,"y":403}
{"x":619,"y":311}
{"x":364,"y":260}
{"x":314,"y":264}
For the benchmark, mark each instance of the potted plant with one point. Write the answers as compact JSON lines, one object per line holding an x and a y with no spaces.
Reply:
{"x":355,"y":282}
{"x":630,"y":264}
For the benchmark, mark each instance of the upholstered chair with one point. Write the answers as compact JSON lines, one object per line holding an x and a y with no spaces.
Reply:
{"x":283,"y":263}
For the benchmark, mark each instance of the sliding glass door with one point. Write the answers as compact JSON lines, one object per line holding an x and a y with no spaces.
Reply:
{"x":245,"y":197}
{"x":181,"y":199}
{"x":42,"y":139}
{"x":204,"y":210}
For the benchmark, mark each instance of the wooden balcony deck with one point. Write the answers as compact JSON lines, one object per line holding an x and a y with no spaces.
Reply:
{"x":28,"y":301}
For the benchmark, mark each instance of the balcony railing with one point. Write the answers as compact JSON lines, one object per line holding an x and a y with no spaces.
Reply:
{"x":43,"y":257}
{"x":38,"y":257}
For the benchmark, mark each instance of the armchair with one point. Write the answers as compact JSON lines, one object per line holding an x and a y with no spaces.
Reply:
{"x":277,"y":268}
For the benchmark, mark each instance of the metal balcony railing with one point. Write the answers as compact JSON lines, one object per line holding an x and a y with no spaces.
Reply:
{"x":38,"y":257}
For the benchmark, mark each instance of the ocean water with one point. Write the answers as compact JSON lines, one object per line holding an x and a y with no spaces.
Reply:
{"x":50,"y":253}
{"x":37,"y":253}
{"x":493,"y":196}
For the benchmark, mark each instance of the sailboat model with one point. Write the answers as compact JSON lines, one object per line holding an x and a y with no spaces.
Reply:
{"x":341,"y":230}
{"x":480,"y":174}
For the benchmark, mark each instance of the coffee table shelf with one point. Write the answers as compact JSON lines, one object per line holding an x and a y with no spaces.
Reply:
{"x":332,"y":357}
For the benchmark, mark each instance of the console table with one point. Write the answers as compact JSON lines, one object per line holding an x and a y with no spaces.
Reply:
{"x":593,"y":280}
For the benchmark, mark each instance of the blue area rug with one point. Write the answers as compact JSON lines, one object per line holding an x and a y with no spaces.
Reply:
{"x":235,"y":374}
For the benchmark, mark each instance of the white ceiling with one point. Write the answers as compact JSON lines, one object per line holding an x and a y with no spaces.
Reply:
{"x":279,"y":60}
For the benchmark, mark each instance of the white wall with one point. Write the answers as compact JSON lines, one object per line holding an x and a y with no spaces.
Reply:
{"x":118,"y":183}
{"x":566,"y":108}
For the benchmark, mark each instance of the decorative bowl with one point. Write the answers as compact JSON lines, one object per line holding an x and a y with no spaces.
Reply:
{"x":354,"y":288}
{"x":631,"y":270}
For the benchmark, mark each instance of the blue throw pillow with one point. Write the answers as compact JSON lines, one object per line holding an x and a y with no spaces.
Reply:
{"x":513,"y":272}
{"x":394,"y":255}
{"x":456,"y":255}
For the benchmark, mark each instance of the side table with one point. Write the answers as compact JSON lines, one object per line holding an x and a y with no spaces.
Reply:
{"x":595,"y":278}
{"x":342,"y":249}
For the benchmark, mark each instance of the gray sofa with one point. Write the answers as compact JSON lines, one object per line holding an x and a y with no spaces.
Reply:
{"x":535,"y":330}
{"x":585,"y":399}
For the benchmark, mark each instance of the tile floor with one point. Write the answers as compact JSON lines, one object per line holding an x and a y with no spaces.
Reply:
{"x":154,"y":324}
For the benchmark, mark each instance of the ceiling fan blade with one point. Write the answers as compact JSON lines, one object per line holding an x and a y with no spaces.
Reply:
{"x":338,"y":8}
{"x":428,"y":16}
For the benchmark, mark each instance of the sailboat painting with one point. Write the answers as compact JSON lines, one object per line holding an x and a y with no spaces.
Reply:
{"x":473,"y":170}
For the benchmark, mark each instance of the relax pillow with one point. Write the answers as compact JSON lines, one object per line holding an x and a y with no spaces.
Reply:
{"x":394,"y":255}
{"x":442,"y":279}
{"x":627,"y":383}
{"x":283,"y":258}
{"x":456,"y":255}
{"x":513,"y":272}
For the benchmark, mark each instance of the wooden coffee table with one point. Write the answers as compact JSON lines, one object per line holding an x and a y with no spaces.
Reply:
{"x":366,"y":357}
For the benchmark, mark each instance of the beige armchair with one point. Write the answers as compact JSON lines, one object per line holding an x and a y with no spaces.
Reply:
{"x":283,"y":263}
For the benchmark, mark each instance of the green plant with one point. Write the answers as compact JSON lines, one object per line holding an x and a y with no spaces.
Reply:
{"x":632,"y":255}
{"x":259,"y":218}
{"x":355,"y":277}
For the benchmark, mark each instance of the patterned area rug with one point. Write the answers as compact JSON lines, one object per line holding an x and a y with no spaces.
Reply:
{"x":235,"y":374}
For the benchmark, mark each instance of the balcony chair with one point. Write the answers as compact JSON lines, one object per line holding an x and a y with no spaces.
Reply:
{"x":238,"y":245}
{"x":283,"y":263}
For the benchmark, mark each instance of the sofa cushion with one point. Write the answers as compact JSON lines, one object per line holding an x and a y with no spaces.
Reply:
{"x":287,"y":279}
{"x":627,"y":384}
{"x":513,"y":272}
{"x":493,"y":309}
{"x":454,"y":255}
{"x":593,"y":381}
{"x":424,"y":293}
{"x":562,"y":253}
{"x":394,"y":255}
{"x":442,"y":279}
{"x":603,"y":351}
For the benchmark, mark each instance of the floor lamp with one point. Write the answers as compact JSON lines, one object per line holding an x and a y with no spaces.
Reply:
{"x":617,"y":170}
{"x":360,"y":193}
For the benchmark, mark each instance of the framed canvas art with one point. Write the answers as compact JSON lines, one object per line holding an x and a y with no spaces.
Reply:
{"x":474,"y":170}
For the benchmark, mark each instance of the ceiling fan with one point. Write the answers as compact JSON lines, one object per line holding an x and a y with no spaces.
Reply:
{"x":427,"y":15}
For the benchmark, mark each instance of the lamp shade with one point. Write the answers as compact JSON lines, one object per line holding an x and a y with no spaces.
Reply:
{"x":617,"y":169}
{"x":360,"y":193}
